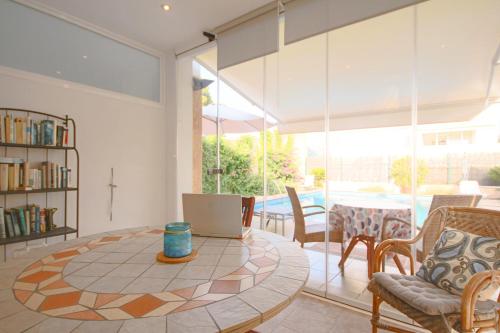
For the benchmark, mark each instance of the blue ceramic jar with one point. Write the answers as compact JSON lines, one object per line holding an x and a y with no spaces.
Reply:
{"x":177,"y":240}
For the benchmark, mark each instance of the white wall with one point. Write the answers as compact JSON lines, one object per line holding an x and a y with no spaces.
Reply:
{"x":184,"y":129}
{"x":136,"y":138}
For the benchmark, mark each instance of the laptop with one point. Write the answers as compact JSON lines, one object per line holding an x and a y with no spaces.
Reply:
{"x":214,"y":215}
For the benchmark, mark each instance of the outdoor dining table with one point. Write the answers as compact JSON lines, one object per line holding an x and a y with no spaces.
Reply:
{"x":363,"y":223}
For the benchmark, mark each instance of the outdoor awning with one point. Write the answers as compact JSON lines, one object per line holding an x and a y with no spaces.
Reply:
{"x":370,"y":70}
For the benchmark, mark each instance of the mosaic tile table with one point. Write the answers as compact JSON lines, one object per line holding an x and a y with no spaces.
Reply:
{"x":111,"y":282}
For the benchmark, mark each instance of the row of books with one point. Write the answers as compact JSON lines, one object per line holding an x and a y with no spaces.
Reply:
{"x":25,"y":130}
{"x":17,"y":174}
{"x":23,"y":221}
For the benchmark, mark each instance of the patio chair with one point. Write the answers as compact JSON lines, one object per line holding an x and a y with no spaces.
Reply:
{"x":247,"y":207}
{"x":393,"y":226}
{"x":434,"y":308}
{"x":305,"y":233}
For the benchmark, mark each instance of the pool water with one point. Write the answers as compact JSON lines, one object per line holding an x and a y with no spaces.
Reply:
{"x":317,"y":198}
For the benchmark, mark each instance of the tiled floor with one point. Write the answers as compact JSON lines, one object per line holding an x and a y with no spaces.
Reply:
{"x":309,"y":314}
{"x":349,"y":288}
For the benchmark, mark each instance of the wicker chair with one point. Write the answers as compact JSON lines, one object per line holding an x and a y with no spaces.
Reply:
{"x":315,"y":232}
{"x":247,"y":208}
{"x":467,"y":314}
{"x":390,"y":224}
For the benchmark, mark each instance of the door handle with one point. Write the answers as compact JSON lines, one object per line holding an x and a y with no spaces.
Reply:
{"x":215,"y":171}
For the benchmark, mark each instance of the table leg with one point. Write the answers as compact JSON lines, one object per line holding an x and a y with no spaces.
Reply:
{"x":347,"y":252}
{"x":283,"y":225}
{"x":369,"y":241}
{"x":370,"y":252}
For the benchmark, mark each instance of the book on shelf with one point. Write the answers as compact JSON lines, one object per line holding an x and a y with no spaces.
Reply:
{"x":25,"y":176}
{"x":24,"y":221}
{"x":9,"y":224}
{"x":15,"y":222}
{"x":3,"y":226}
{"x":28,"y":131}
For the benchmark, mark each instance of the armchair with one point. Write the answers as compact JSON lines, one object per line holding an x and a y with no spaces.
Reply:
{"x":433,"y":308}
{"x":393,"y":227}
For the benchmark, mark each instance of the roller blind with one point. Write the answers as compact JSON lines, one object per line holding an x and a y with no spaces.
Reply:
{"x":252,"y":39}
{"x":306,"y":18}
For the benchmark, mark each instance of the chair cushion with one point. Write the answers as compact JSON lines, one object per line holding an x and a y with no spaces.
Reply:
{"x":456,"y":257}
{"x":418,"y":293}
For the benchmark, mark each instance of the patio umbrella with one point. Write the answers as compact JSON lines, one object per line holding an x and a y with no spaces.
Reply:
{"x":232,"y":120}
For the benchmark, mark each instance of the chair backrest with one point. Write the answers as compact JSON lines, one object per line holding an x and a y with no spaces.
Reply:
{"x":460,"y":200}
{"x":247,"y":207}
{"x":478,"y":221}
{"x":298,"y":214}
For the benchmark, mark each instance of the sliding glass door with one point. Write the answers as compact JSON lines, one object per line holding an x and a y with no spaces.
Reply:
{"x":368,"y":121}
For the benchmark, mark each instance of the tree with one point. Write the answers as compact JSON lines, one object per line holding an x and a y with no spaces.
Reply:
{"x":319,"y":176}
{"x":401,"y":173}
{"x":242,"y":161}
{"x":236,"y":162}
{"x":206,"y":98}
{"x":494,"y":175}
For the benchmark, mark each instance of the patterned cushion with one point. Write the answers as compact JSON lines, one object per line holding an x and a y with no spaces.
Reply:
{"x":428,"y":298}
{"x":418,"y":293}
{"x":456,"y":257}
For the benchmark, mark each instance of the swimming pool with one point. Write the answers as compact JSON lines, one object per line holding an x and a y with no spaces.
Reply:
{"x":317,"y":198}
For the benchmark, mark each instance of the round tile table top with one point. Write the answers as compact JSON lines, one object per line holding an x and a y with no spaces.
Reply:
{"x":113,"y":279}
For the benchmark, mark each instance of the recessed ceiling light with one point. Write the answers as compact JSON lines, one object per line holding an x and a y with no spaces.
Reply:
{"x":84,"y":57}
{"x":166,"y":7}
{"x":58,"y":72}
{"x":443,"y":46}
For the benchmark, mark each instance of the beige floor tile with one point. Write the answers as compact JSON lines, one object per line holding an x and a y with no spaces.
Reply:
{"x":150,"y":325}
{"x":205,"y":260}
{"x":146,"y":285}
{"x":129,"y":270}
{"x":80,"y":282}
{"x":282,"y":285}
{"x":21,"y":321}
{"x":99,"y":326}
{"x":96,"y":269}
{"x":115,"y":258}
{"x":163,"y":271}
{"x":241,"y":250}
{"x":183,"y":283}
{"x":221,"y":271}
{"x":193,"y":321}
{"x":56,"y":325}
{"x":263,"y":299}
{"x":233,"y":260}
{"x":6,"y":294}
{"x":109,"y":284}
{"x":90,"y":256}
{"x":73,"y":267}
{"x":142,"y":258}
{"x":211,"y":249}
{"x":9,"y":307}
{"x":196,"y":272}
{"x":216,"y":242}
{"x":231,"y":312}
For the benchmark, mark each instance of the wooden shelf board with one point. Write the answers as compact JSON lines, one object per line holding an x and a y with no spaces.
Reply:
{"x":44,"y":190}
{"x":56,"y":232}
{"x":21,"y":145}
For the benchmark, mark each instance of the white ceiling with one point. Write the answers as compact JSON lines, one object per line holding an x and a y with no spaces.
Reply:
{"x":145,"y":21}
{"x":371,"y":64}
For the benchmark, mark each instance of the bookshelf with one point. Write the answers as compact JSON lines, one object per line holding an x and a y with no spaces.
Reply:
{"x":70,"y":125}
